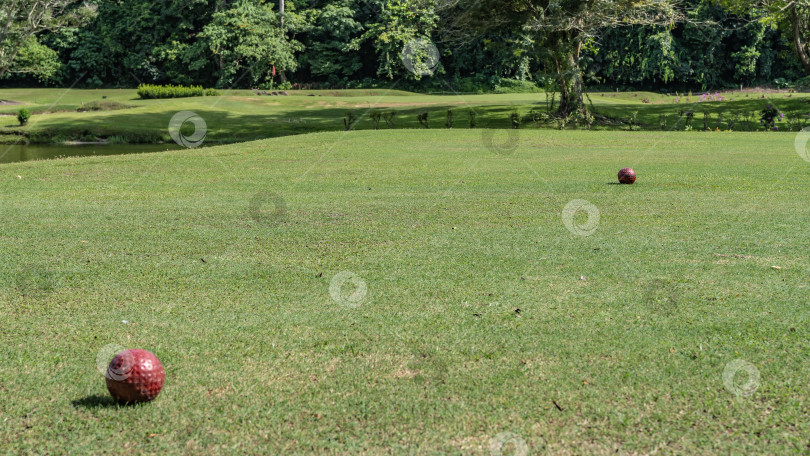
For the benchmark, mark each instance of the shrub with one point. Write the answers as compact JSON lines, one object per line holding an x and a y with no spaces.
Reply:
{"x":348,"y":120}
{"x":803,"y":82}
{"x":535,"y":115}
{"x":690,"y":116}
{"x":514,"y":119}
{"x":769,"y":117}
{"x":23,"y":115}
{"x":375,"y":117}
{"x":422,"y":117}
{"x":146,"y":91}
{"x":516,"y":86}
{"x":632,"y":121}
{"x":733,"y":120}
{"x":389,"y":118}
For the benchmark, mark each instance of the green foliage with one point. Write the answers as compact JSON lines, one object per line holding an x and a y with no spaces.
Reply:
{"x":35,"y":61}
{"x":22,"y":21}
{"x":516,"y":86}
{"x":247,"y":43}
{"x":102,"y":106}
{"x":23,"y":115}
{"x":769,"y":116}
{"x":514,"y":119}
{"x":690,"y":116}
{"x":399,"y":23}
{"x":663,"y":122}
{"x":328,"y":35}
{"x":360,"y":43}
{"x":632,"y":121}
{"x":375,"y":117}
{"x":147,"y":91}
{"x":348,"y":120}
{"x":422,"y":118}
{"x":389,"y":118}
{"x":714,"y":49}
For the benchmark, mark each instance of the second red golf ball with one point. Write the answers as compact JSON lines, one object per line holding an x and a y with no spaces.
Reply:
{"x":627,"y":176}
{"x":135,"y":376}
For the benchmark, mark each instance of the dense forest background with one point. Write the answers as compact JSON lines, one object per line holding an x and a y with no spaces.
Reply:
{"x":358,"y":43}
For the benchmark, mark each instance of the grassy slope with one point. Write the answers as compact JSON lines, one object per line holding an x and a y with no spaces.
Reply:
{"x":240,"y":115}
{"x":450,"y":240}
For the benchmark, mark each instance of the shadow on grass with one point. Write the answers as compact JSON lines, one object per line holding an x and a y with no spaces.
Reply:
{"x":96,"y":401}
{"x":299,"y":117}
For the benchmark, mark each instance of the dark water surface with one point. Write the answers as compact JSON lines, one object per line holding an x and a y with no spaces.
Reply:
{"x":12,"y":154}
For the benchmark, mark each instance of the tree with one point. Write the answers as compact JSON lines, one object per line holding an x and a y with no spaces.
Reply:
{"x":401,"y":23}
{"x":248,"y":38}
{"x":22,"y":20}
{"x":794,"y":15}
{"x":561,"y":28}
{"x":329,"y":31}
{"x":35,"y":60}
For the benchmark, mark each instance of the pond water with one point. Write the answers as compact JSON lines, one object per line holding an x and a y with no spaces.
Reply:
{"x":12,"y":154}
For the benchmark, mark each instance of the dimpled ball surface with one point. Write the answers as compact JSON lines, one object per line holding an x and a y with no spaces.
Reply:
{"x":135,"y":376}
{"x":627,"y":176}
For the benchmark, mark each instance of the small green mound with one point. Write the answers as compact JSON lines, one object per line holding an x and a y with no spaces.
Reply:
{"x":102,"y":106}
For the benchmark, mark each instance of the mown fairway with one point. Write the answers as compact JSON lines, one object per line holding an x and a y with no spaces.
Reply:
{"x":241,"y":115}
{"x":483,"y":313}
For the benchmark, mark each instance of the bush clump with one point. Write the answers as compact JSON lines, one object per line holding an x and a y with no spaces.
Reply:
{"x":23,"y":115}
{"x":172,"y":91}
{"x":516,"y":86}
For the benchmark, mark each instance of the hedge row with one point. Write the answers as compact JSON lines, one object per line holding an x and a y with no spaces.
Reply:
{"x":173,"y":91}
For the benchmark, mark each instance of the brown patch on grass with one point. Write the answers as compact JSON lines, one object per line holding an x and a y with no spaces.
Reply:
{"x":406,"y":373}
{"x":722,"y":255}
{"x":472,"y":445}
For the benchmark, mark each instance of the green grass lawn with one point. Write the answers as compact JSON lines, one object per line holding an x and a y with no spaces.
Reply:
{"x":239,"y":115}
{"x":482,"y":313}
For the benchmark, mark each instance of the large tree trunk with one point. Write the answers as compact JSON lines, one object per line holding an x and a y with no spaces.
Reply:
{"x":569,"y":76}
{"x":798,"y":40}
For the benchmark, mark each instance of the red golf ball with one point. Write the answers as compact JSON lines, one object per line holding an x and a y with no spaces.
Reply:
{"x":135,"y":376}
{"x":627,"y":176}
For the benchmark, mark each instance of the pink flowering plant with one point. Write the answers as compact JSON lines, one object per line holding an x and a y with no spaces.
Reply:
{"x":711,"y":97}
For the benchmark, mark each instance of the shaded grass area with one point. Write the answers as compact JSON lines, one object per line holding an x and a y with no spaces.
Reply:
{"x":243,"y":116}
{"x":483,"y":313}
